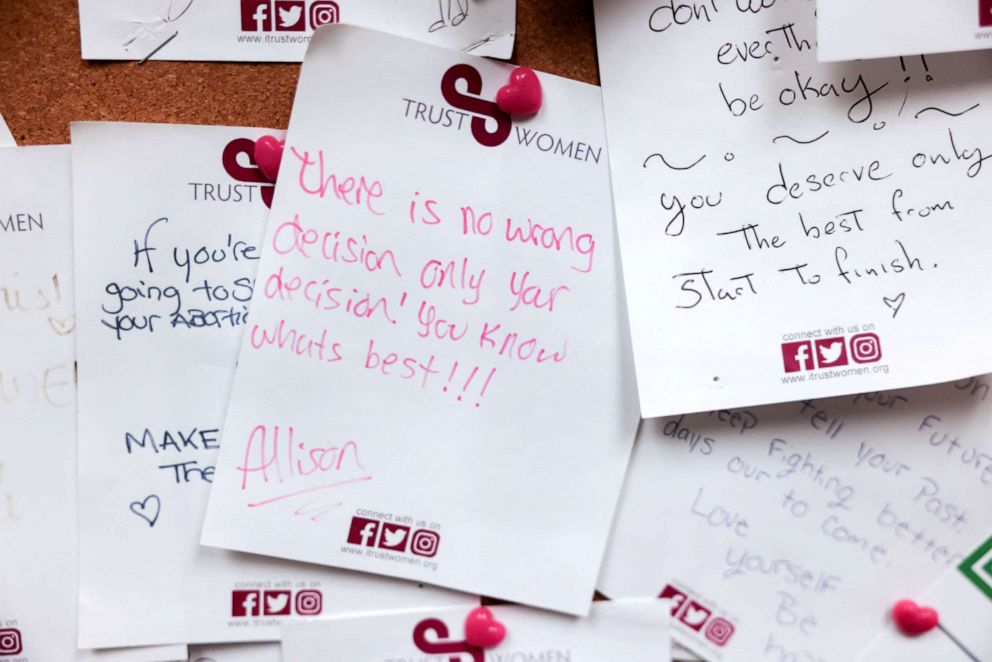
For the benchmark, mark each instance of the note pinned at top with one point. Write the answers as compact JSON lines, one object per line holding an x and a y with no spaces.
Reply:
{"x":852,"y":30}
{"x":169,"y":220}
{"x":789,"y":531}
{"x":279,"y":30}
{"x":435,"y":367}
{"x":962,"y":598}
{"x":629,"y":630}
{"x":791,"y":229}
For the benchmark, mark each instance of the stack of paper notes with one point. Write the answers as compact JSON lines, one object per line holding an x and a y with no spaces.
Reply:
{"x":711,"y":343}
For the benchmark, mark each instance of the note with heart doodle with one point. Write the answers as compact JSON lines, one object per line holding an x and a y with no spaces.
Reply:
{"x":760,"y":189}
{"x":166,"y":256}
{"x":147,"y":509}
{"x":895,"y":303}
{"x":62,"y":327}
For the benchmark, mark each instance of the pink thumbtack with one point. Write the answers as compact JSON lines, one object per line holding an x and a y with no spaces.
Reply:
{"x":522,"y":95}
{"x":912,"y":619}
{"x":268,"y":156}
{"x":482,"y":629}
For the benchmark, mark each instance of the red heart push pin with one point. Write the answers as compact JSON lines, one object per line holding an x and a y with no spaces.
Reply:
{"x":268,"y":156}
{"x":912,"y":619}
{"x":522,"y":95}
{"x":482,"y":629}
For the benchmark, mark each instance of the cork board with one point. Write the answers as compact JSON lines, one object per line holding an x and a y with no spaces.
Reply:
{"x":45,"y":84}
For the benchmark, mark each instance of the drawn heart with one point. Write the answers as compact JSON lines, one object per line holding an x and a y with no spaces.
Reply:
{"x":522,"y":95}
{"x":268,"y":155}
{"x":895,"y":303}
{"x":147,"y":509}
{"x":912,"y":619}
{"x":63,"y":327}
{"x":482,"y":629}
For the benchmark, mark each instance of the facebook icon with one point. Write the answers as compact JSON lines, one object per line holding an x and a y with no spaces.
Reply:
{"x":245,"y":603}
{"x":256,"y":16}
{"x":797,"y":356}
{"x":363,"y":531}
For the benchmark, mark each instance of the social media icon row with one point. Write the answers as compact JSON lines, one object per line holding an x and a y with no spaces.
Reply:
{"x":831,"y":352}
{"x":396,"y":537}
{"x":287,"y":15}
{"x":277,"y":602}
{"x":697,"y":617}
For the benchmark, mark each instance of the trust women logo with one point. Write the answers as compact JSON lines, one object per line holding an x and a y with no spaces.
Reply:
{"x":490,"y":125}
{"x":431,"y":636}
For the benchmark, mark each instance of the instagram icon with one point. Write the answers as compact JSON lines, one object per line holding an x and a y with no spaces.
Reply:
{"x":309,"y":602}
{"x":10,"y":641}
{"x":324,"y":12}
{"x":865,"y":348}
{"x":425,"y":543}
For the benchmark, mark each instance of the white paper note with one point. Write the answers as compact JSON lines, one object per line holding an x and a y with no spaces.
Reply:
{"x":168,"y":222}
{"x":787,"y":532}
{"x":962,"y":598}
{"x":435,"y":372}
{"x":6,"y":137}
{"x":38,"y":416}
{"x":791,"y":229}
{"x":852,"y":30}
{"x":629,"y":630}
{"x":261,"y":652}
{"x":279,"y":30}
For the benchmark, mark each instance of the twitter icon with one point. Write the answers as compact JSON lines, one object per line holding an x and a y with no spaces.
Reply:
{"x":394,"y":537}
{"x":831,"y":352}
{"x":289,"y":15}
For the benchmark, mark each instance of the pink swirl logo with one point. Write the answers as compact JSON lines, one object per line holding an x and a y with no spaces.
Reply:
{"x":439,"y":646}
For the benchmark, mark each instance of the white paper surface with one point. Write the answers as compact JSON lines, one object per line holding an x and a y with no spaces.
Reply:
{"x":430,"y":457}
{"x":796,"y":527}
{"x":279,"y":30}
{"x":6,"y":138}
{"x":38,"y":416}
{"x":261,"y":652}
{"x":963,"y":600}
{"x":630,"y":630}
{"x":155,"y":369}
{"x":722,"y":99}
{"x":851,"y":30}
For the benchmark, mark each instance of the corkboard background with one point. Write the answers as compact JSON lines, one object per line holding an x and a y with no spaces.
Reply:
{"x":45,"y":84}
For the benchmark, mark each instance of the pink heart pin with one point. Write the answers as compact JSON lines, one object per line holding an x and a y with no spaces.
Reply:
{"x":912,"y":619}
{"x":522,"y":95}
{"x":482,"y":629}
{"x":268,"y":156}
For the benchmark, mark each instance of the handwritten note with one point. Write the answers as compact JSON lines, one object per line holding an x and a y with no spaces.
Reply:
{"x":850,"y":30}
{"x":280,"y":30}
{"x":38,"y":533}
{"x":435,"y":363}
{"x":791,"y":229}
{"x":166,"y":252}
{"x":787,"y":532}
{"x":632,"y":630}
